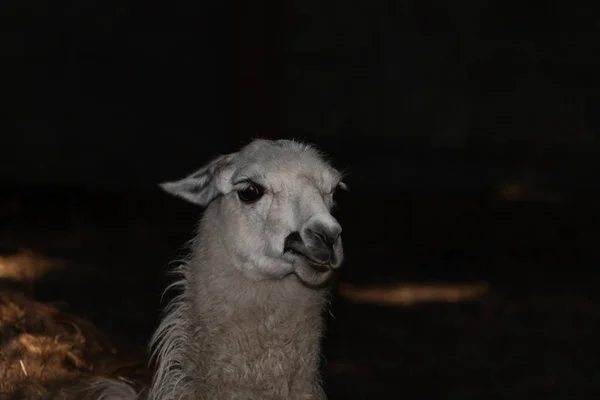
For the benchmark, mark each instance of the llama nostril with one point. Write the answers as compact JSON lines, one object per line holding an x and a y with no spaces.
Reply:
{"x":324,"y":237}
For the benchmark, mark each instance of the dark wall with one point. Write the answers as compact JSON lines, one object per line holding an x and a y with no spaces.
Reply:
{"x":113,"y":93}
{"x":129,"y":93}
{"x":477,"y":89}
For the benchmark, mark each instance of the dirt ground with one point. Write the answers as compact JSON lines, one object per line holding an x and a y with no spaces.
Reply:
{"x":443,"y":296}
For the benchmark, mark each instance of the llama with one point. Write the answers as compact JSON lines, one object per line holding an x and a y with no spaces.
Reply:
{"x":247,"y":322}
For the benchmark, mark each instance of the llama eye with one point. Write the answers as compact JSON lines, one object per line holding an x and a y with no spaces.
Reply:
{"x":251,"y":193}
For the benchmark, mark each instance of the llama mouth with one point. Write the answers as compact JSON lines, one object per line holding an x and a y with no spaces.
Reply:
{"x":321,"y":267}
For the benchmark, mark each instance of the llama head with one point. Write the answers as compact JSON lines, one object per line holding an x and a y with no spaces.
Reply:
{"x":272,"y":201}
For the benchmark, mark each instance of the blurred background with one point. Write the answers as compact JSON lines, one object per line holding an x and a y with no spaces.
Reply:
{"x":469,"y":131}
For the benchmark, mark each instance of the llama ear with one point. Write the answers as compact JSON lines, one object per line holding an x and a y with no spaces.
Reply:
{"x":206,"y":183}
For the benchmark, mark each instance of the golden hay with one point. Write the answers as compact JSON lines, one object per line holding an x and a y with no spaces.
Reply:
{"x":44,"y":351}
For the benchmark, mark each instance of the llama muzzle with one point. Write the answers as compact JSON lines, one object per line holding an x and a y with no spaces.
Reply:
{"x":318,"y":245}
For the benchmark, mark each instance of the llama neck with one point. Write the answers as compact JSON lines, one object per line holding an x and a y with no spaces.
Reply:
{"x":242,"y":339}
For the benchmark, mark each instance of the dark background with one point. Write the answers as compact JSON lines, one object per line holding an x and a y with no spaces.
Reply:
{"x":469,"y":130}
{"x":118,"y":93}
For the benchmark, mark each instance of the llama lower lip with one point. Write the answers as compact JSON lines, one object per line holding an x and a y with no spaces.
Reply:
{"x":319,"y":267}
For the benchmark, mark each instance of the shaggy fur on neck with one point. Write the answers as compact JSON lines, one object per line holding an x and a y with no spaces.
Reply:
{"x":225,"y":337}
